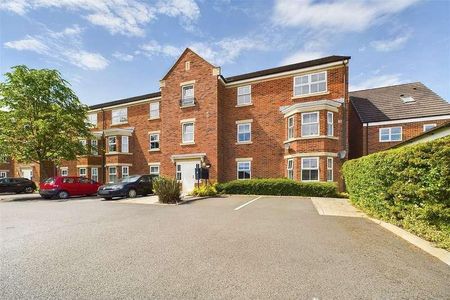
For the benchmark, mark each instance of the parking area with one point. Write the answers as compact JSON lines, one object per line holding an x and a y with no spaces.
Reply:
{"x":229,"y":247}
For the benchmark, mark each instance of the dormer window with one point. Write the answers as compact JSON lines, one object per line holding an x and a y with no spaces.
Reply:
{"x":407,"y":99}
{"x":187,"y":95}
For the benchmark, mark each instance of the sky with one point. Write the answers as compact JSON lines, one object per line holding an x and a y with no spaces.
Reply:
{"x":113,"y":49}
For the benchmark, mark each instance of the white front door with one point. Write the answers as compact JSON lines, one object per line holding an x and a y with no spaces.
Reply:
{"x":27,"y":173}
{"x":186,"y":171}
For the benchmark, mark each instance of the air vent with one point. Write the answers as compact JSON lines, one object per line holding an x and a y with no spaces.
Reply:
{"x":407,"y":99}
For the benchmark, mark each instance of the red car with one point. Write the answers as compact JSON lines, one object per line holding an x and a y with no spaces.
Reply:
{"x":65,"y":187}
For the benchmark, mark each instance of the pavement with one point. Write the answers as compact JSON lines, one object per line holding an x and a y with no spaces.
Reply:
{"x":220,"y":248}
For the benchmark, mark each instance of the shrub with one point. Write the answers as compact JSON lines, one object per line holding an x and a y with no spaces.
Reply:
{"x":408,"y":186}
{"x":278,"y":186}
{"x":167,"y":189}
{"x":205,"y":190}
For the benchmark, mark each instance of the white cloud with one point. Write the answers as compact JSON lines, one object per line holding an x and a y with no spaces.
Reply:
{"x":127,"y":17}
{"x":123,"y":56}
{"x":340,"y":16}
{"x":153,"y":48}
{"x":303,"y":55}
{"x":86,"y":60}
{"x":377,"y":81}
{"x":391,"y":44}
{"x":28,"y":44}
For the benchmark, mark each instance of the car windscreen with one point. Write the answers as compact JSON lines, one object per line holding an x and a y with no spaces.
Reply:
{"x":129,"y":179}
{"x":50,"y":180}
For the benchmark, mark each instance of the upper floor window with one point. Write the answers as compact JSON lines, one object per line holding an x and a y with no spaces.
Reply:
{"x":310,"y":84}
{"x":154,"y":141}
{"x":244,"y":169}
{"x":119,"y":115}
{"x":390,"y":134}
{"x":427,"y":127}
{"x":94,"y":147}
{"x":310,"y":124}
{"x":290,"y":168}
{"x":3,"y":158}
{"x":187,"y":95}
{"x":244,"y":132}
{"x":154,"y":110}
{"x":125,"y":144}
{"x":290,"y":127}
{"x":244,"y":95}
{"x":310,"y":169}
{"x":187,"y":132}
{"x":112,"y":144}
{"x":330,"y":123}
{"x":83,"y":144}
{"x":92,"y":119}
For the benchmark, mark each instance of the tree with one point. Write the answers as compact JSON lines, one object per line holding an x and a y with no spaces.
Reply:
{"x":42,"y":120}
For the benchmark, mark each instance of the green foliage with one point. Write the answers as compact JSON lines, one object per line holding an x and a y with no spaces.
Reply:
{"x":41,"y":118}
{"x":205,"y":190}
{"x":278,"y":186}
{"x":167,"y":189}
{"x":408,"y":186}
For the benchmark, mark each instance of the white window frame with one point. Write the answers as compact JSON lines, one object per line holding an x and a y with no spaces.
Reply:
{"x":242,"y":95}
{"x":187,"y":101}
{"x":298,"y":83}
{"x":310,"y":123}
{"x":125,"y":171}
{"x":119,"y":116}
{"x":154,"y":141}
{"x":183,"y":140}
{"x":290,"y":168}
{"x":433,"y":125}
{"x":84,"y":171}
{"x":3,"y":174}
{"x":311,"y":169}
{"x":92,"y":119}
{"x":389,"y":130}
{"x":94,"y":175}
{"x":153,"y":172}
{"x":239,"y":169}
{"x":112,"y":174}
{"x":83,"y":143}
{"x":330,"y":123}
{"x":125,"y":144}
{"x":154,"y":112}
{"x":178,"y":172}
{"x":330,"y":169}
{"x":290,"y":127}
{"x":112,"y":144}
{"x":94,"y":147}
{"x":64,"y":171}
{"x":238,"y":131}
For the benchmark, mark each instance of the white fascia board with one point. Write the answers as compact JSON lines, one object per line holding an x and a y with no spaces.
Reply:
{"x":411,"y":120}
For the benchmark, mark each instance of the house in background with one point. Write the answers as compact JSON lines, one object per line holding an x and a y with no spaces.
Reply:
{"x":429,"y":135}
{"x":381,"y":118}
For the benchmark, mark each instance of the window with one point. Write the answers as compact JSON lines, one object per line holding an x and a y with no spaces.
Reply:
{"x":94,"y":147}
{"x":329,"y":169}
{"x":310,"y":84}
{"x":2,"y":174}
{"x":112,"y":144}
{"x":154,"y":169}
{"x":310,"y":169}
{"x":391,"y":134}
{"x":94,"y":174}
{"x":290,"y":168}
{"x":244,"y":95}
{"x":187,"y":65}
{"x":427,"y":127}
{"x":125,"y":171}
{"x":3,"y":158}
{"x":112,"y":174}
{"x":330,"y":125}
{"x":310,"y":124}
{"x":188,"y":132}
{"x":119,"y":116}
{"x":92,"y":119}
{"x":179,"y":172}
{"x":187,"y":95}
{"x":244,"y":132}
{"x":154,"y":141}
{"x":154,"y":110}
{"x":407,"y":99}
{"x":244,"y":170}
{"x":83,"y":143}
{"x":64,"y":171}
{"x":82,"y":172}
{"x":290,"y":130}
{"x":125,"y":145}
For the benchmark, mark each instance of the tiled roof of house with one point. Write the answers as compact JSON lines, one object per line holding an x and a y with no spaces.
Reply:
{"x":404,"y":101}
{"x":125,"y":100}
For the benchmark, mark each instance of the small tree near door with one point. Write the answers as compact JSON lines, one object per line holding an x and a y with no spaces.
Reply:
{"x":41,"y":118}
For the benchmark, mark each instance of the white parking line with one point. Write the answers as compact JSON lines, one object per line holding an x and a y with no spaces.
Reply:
{"x":247,"y":203}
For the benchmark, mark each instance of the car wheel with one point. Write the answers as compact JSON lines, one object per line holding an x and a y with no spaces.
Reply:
{"x":29,"y":190}
{"x":46,"y":197}
{"x":63,"y":195}
{"x":132,"y":193}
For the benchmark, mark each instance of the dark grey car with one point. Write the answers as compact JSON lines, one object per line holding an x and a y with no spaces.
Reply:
{"x":127,"y":187}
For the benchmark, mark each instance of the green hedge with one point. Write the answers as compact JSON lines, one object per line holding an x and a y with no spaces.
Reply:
{"x":408,"y":186}
{"x":278,"y":186}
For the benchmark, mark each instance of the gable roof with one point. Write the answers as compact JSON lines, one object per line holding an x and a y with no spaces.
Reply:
{"x":385,"y":103}
{"x":125,"y":100}
{"x":181,"y":56}
{"x":301,"y":65}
